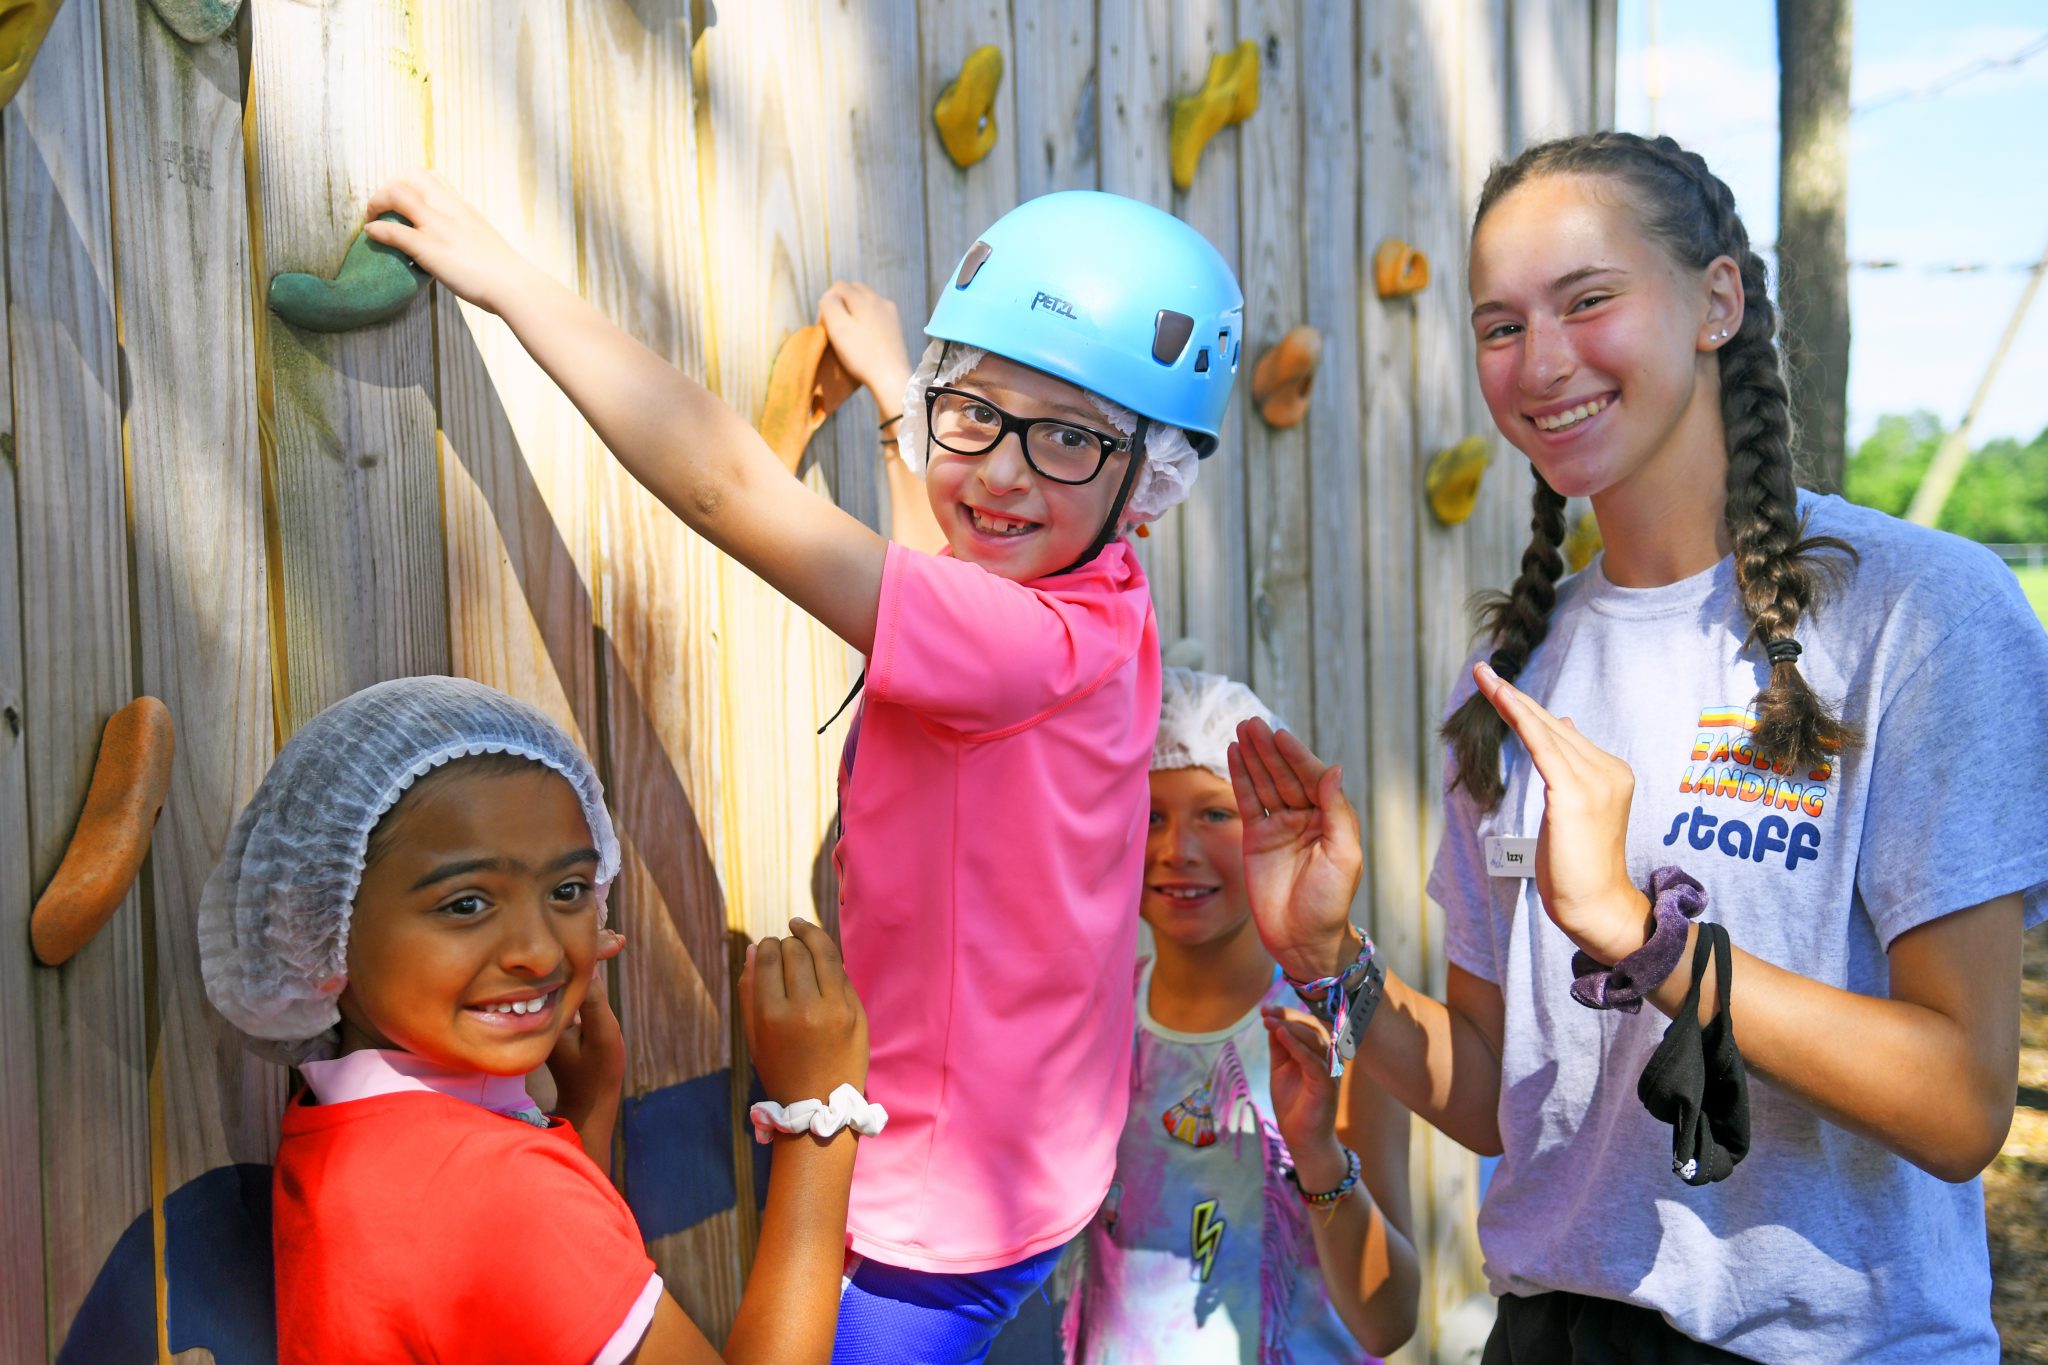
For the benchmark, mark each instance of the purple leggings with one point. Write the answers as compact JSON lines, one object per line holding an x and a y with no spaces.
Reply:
{"x":891,"y":1316}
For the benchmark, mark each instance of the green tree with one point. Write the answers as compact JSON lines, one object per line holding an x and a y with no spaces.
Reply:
{"x":2001,"y":497}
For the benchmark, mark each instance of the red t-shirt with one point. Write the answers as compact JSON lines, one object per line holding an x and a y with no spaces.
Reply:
{"x":416,"y":1226}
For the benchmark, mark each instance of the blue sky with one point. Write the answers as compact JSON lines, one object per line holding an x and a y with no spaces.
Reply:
{"x":1962,"y":177}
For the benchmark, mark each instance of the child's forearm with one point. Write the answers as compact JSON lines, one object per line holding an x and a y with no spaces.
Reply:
{"x":673,"y":435}
{"x":791,"y":1305}
{"x":1369,"y":1267}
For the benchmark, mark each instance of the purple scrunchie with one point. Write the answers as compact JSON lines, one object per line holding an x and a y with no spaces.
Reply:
{"x":1677,"y":898}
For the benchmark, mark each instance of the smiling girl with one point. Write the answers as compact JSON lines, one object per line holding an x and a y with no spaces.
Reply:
{"x":411,"y":911}
{"x":1800,"y":705}
{"x":993,"y":782}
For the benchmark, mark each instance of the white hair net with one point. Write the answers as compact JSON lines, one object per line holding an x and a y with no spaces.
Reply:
{"x":274,"y":917}
{"x":1198,"y":718}
{"x":1170,"y":462}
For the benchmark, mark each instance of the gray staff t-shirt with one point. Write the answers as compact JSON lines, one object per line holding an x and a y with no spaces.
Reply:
{"x":1821,"y":1246}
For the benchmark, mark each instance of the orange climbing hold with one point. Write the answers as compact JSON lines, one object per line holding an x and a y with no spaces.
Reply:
{"x":806,"y":385}
{"x":1284,"y":375}
{"x":1229,"y":95}
{"x":966,"y":111}
{"x":1399,"y":270}
{"x":129,"y":782}
{"x":1452,"y":479}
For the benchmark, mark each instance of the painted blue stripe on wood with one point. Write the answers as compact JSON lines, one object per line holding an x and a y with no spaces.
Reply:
{"x":679,"y":1168}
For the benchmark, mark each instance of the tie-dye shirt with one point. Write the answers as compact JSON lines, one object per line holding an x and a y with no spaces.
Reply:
{"x":1202,"y":1252}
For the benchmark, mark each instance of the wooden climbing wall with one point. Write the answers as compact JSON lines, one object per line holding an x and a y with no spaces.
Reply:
{"x":248,"y":521}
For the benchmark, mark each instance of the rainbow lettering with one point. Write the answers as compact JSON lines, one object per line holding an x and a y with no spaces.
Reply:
{"x":1724,"y":763}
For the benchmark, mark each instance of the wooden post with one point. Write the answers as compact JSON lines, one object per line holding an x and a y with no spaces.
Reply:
{"x":1813,"y":229}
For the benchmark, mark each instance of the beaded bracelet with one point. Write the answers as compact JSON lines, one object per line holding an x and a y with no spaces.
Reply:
{"x":1327,"y":1198}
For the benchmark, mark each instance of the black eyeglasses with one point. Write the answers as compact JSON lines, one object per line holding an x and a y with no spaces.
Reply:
{"x":968,"y":424}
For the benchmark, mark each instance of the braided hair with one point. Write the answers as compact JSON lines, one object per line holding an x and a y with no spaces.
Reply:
{"x":1778,"y":569}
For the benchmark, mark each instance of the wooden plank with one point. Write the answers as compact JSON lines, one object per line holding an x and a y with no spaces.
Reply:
{"x":24,"y":1334}
{"x":1058,"y":94}
{"x":642,"y":263}
{"x":202,"y":607}
{"x":1133,"y":103}
{"x":874,"y":185}
{"x":1215,"y":568}
{"x":1277,"y":224}
{"x":960,"y":202}
{"x":765,"y":234}
{"x":516,"y":463}
{"x":1335,"y":275}
{"x":1603,"y":23}
{"x":351,"y":415}
{"x":1552,"y":79}
{"x":76,"y":643}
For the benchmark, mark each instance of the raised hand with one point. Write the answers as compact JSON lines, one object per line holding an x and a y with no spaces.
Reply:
{"x":1301,"y":852}
{"x":806,"y":1030}
{"x":447,"y":238}
{"x":1582,"y":844}
{"x":867,"y":335}
{"x":1304,"y":1091}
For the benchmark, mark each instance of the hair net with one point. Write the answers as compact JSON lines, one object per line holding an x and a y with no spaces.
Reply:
{"x":274,"y":917}
{"x":1170,"y":462}
{"x":1198,"y":718}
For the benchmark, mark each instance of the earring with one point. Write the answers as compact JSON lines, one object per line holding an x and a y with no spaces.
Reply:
{"x":1719,"y":336}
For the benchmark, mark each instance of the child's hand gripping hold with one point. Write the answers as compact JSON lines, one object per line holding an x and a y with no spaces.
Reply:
{"x":447,"y":238}
{"x":588,"y":1063}
{"x":806,"y":1030}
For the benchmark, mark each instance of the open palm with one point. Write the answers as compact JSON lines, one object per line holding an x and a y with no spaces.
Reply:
{"x":1301,"y":852}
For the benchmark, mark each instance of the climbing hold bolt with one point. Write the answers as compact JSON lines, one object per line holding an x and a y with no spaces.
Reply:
{"x":374,"y":285}
{"x":966,"y":111}
{"x":1452,"y":479}
{"x":1284,"y":375}
{"x":1228,"y":95}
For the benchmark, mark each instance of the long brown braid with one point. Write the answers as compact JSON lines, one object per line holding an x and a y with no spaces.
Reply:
{"x":1778,"y":570}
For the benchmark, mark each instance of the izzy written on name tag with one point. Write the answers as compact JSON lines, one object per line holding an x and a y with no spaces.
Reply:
{"x":1510,"y":857}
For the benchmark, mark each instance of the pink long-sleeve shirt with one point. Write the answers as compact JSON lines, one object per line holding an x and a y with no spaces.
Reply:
{"x":994,"y":802}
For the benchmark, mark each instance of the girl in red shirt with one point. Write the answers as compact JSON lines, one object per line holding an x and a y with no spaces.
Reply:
{"x":411,"y":912}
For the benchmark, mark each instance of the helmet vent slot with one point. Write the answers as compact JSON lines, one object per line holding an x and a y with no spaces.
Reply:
{"x":1202,"y":361}
{"x":976,"y":255}
{"x":1170,"y":333}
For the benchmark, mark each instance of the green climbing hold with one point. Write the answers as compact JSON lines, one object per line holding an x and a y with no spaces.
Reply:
{"x":375,"y":284}
{"x":197,"y":21}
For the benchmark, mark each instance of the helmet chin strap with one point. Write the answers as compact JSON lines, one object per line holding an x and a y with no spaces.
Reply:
{"x":1116,"y":508}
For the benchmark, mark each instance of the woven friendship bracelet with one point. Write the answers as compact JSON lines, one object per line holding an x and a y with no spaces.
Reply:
{"x":1677,"y":899}
{"x":1345,"y":1002}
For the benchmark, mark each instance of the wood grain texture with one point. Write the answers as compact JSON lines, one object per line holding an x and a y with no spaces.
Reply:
{"x":1134,"y":59}
{"x":340,"y":106}
{"x":1215,"y":568}
{"x":516,"y":464}
{"x":660,"y":651}
{"x":201,"y":586}
{"x":24,"y":1335}
{"x":78,"y":666}
{"x":1275,"y":222}
{"x":1058,"y":95}
{"x":960,"y":202}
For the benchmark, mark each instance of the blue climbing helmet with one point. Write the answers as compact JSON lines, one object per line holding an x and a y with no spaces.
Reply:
{"x":1108,"y":294}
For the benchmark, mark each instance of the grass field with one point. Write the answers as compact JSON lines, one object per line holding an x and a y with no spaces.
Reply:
{"x":2035,"y":581}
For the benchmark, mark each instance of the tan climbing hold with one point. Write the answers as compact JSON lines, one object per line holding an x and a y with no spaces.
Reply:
{"x":1229,"y":95}
{"x":129,"y":781}
{"x":1452,"y":480}
{"x":966,"y":111}
{"x":23,"y":26}
{"x":1284,"y":375}
{"x":1582,"y":542}
{"x":805,"y":386}
{"x":1398,"y":269}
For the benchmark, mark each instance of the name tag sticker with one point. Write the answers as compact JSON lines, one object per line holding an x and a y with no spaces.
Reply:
{"x":1510,"y":857}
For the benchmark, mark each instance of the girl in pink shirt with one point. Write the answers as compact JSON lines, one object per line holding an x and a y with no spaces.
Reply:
{"x":993,"y":789}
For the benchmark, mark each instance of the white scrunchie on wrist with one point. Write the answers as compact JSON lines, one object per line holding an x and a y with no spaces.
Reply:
{"x":847,"y":1108}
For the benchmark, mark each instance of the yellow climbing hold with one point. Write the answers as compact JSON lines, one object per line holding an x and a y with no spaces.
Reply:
{"x":22,"y":30}
{"x":1452,"y":480}
{"x":1228,"y":96}
{"x":1582,"y":542}
{"x":966,"y":111}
